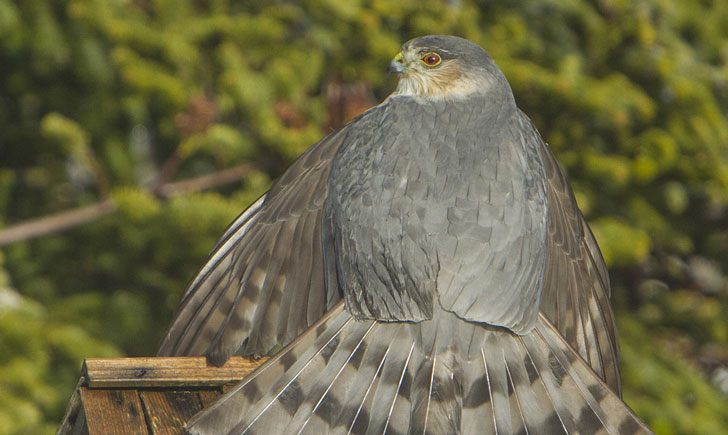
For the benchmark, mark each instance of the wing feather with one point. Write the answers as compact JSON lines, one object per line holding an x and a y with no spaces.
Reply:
{"x":576,"y":291}
{"x":268,"y":265}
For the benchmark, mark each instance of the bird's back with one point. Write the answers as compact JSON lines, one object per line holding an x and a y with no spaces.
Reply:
{"x":439,"y":203}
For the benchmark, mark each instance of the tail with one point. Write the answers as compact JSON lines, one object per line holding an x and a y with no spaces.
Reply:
{"x":346,"y":376}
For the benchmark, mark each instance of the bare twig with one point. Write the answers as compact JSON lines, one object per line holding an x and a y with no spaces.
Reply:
{"x":72,"y":218}
{"x":55,"y":223}
{"x":205,"y":182}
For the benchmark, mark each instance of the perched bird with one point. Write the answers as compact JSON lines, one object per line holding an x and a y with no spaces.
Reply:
{"x":425,"y":269}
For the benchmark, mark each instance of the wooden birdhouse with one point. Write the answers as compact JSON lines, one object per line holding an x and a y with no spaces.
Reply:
{"x":150,"y":396}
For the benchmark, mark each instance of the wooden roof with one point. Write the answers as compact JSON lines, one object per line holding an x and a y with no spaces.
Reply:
{"x":146,"y":395}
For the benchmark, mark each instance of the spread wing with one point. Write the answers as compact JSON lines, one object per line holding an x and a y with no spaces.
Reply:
{"x":575,"y":295}
{"x":264,"y":281}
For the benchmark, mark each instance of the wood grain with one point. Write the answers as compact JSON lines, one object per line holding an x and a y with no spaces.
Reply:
{"x":168,"y":411}
{"x":188,"y":372}
{"x":154,"y":396}
{"x":111,"y":412}
{"x":207,"y":397}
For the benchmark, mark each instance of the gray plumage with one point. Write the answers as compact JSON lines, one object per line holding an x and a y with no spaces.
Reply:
{"x":348,"y":376}
{"x":426,"y":269}
{"x":432,"y":213}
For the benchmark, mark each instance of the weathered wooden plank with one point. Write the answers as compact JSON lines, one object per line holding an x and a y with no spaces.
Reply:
{"x":189,"y":372}
{"x":73,"y":409}
{"x":208,"y":396}
{"x":168,"y":411}
{"x":111,"y":412}
{"x":79,"y":426}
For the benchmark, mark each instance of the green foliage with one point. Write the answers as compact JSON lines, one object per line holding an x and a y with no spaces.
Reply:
{"x":664,"y":390}
{"x":620,"y":243}
{"x":137,"y":204}
{"x":39,"y":362}
{"x":111,"y":100}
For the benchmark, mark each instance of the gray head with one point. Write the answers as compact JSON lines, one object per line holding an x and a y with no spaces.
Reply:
{"x":447,"y":67}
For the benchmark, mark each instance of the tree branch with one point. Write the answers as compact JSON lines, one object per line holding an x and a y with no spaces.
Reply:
{"x":205,"y":182}
{"x":55,"y":223}
{"x":72,"y":218}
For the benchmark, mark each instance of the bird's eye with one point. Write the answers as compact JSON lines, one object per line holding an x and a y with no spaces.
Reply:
{"x":431,"y":59}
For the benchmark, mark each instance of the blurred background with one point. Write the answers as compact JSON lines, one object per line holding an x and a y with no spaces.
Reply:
{"x":133,"y":131}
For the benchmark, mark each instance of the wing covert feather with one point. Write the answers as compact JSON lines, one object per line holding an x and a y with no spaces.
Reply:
{"x":267,"y":266}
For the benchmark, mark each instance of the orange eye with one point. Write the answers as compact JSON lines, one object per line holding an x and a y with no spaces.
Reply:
{"x":431,"y":59}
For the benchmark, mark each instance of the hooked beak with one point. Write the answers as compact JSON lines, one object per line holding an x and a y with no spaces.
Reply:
{"x":396,"y":66}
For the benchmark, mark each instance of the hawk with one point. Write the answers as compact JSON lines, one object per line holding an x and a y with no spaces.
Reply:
{"x":423,"y":270}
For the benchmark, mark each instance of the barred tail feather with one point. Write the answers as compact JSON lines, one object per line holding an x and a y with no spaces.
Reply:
{"x":345,"y":376}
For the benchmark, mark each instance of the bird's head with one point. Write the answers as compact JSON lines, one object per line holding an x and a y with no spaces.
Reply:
{"x":446,"y":67}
